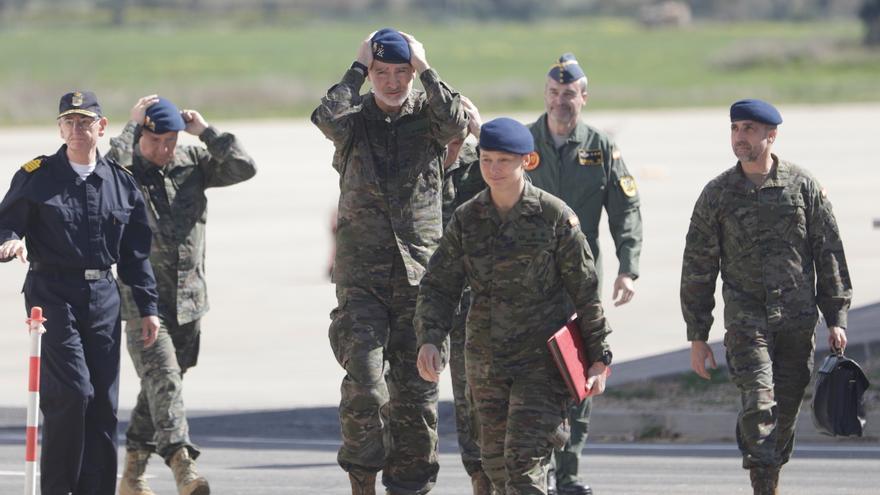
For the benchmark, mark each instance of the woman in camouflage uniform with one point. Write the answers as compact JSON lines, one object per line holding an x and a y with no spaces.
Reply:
{"x":522,"y":252}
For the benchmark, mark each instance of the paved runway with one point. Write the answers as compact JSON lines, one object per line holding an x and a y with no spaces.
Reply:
{"x":305,"y":467}
{"x":264,"y":343}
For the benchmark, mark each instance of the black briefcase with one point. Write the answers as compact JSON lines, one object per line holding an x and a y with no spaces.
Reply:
{"x":838,"y":397}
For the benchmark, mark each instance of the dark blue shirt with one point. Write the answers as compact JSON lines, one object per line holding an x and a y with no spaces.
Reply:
{"x":82,"y":224}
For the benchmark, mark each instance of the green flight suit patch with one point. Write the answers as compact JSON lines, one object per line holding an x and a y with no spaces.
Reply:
{"x":628,"y":186}
{"x":590,"y":157}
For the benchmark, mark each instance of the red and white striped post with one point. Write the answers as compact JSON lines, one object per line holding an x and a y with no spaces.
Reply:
{"x":35,"y":329}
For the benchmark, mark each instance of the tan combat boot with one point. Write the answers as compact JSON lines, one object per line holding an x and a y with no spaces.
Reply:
{"x":188,"y":480}
{"x":481,"y":484}
{"x":362,"y":483}
{"x":133,"y":481}
{"x":765,"y":481}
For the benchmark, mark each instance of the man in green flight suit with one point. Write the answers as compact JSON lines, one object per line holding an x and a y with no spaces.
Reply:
{"x":767,"y":226}
{"x":584,"y":168}
{"x":173,"y":179}
{"x":389,"y":150}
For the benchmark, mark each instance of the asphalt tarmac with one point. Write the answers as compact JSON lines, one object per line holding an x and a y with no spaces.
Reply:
{"x":274,"y":466}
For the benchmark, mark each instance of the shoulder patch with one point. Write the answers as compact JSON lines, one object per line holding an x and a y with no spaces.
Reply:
{"x":628,"y":186}
{"x":32,"y":165}
{"x":615,"y":154}
{"x":572,"y":221}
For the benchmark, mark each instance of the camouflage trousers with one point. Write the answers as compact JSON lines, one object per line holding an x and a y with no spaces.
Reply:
{"x":388,"y":414}
{"x":522,"y":419}
{"x":566,"y":461}
{"x":467,"y":424}
{"x":772,"y":371}
{"x":158,"y":420}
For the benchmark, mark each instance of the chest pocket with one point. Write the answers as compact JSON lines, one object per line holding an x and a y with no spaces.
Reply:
{"x":587,"y":184}
{"x":190,"y":203}
{"x":416,"y":151}
{"x":739,"y":226}
{"x":114,"y":226}
{"x":60,"y":224}
{"x":541,"y":276}
{"x":789,"y":218}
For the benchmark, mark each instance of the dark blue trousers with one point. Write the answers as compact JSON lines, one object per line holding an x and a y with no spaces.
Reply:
{"x":79,"y":382}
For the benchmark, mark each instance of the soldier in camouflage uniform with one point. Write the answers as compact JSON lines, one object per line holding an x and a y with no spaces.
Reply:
{"x":522,"y":253}
{"x":389,"y":151}
{"x":173,"y":180}
{"x":462,"y":180}
{"x":584,"y":168}
{"x":767,"y":225}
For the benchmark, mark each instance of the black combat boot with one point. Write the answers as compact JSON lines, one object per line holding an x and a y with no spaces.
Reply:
{"x":576,"y":488}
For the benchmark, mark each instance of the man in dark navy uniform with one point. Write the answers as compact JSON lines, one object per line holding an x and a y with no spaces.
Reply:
{"x":79,"y":214}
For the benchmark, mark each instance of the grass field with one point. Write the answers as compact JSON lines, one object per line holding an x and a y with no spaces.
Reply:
{"x":250,"y":69}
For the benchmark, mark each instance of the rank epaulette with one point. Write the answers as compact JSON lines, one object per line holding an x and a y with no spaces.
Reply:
{"x":33,"y":164}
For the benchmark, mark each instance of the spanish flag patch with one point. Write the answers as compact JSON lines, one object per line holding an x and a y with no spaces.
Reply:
{"x":32,"y":165}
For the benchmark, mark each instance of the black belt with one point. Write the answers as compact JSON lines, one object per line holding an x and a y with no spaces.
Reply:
{"x":78,"y":273}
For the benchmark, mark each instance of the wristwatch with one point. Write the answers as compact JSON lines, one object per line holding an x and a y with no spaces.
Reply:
{"x":606,"y":358}
{"x":359,"y":67}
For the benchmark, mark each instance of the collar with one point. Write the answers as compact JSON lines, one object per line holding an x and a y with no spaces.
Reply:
{"x":779,"y":177}
{"x":372,"y":111}
{"x":529,"y":204}
{"x":578,"y":134}
{"x":63,"y":172}
{"x":102,"y":168}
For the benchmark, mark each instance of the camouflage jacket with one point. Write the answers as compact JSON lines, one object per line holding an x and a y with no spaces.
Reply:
{"x":390,"y":170}
{"x":777,"y":247}
{"x":462,"y":180}
{"x":588,"y":173}
{"x":519,"y":271}
{"x":177,"y":210}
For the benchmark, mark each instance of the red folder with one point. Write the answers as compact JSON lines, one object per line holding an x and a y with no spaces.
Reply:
{"x":567,"y":349}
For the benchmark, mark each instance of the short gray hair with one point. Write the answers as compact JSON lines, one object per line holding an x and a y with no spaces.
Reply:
{"x":583,"y":83}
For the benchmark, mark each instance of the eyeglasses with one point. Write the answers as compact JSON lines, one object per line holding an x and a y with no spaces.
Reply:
{"x":82,"y":124}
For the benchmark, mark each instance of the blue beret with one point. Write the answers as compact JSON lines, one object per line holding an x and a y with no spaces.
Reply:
{"x":163,"y":117}
{"x":566,"y":70}
{"x":757,"y":110}
{"x":390,"y":46}
{"x":80,"y":102}
{"x":508,"y":135}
